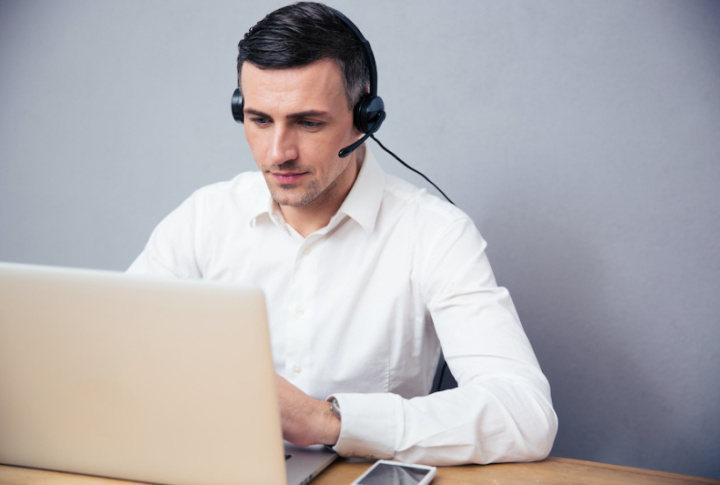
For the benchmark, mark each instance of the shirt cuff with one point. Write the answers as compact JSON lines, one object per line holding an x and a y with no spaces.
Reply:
{"x":370,"y":426}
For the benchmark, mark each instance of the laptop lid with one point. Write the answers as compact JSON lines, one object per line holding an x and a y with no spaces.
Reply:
{"x":157,"y":380}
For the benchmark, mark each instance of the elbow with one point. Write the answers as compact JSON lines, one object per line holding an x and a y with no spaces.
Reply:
{"x":537,"y":437}
{"x":526,"y":436}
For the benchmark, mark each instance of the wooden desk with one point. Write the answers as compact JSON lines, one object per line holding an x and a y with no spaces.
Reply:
{"x":551,"y":471}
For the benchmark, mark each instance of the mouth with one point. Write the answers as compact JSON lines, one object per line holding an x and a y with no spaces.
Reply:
{"x":287,"y":178}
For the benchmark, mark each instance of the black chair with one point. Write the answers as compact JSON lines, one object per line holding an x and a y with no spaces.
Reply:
{"x":443,"y":377}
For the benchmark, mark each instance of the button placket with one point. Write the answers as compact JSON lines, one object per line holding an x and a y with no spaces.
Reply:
{"x":298,"y":311}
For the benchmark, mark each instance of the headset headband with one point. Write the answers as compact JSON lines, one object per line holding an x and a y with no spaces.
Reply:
{"x":369,"y":56}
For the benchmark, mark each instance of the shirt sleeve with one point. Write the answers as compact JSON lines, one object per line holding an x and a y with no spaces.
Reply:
{"x":501,"y":410}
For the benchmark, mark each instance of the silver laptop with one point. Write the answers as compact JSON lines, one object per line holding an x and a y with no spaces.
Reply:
{"x":148,"y":379}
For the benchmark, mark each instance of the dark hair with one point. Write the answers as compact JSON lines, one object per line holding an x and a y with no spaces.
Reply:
{"x":302,"y":33}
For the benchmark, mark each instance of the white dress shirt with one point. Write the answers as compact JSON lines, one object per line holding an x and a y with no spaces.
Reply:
{"x":358,"y":310}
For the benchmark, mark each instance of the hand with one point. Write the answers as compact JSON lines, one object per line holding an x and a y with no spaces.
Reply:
{"x":305,"y":421}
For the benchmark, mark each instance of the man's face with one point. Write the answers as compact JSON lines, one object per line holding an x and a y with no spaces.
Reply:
{"x":296,"y":121}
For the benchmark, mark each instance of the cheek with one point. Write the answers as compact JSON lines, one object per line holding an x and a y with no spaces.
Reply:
{"x":257,"y":144}
{"x":322,"y":154}
{"x":249,"y":138}
{"x":328,"y":147}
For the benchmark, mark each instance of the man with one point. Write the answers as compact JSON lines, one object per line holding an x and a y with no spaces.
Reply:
{"x":366,"y":276}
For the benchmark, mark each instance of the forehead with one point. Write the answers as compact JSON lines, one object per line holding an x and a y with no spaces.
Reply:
{"x":318,"y":85}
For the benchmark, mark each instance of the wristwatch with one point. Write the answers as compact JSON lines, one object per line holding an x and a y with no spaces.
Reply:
{"x":335,"y":408}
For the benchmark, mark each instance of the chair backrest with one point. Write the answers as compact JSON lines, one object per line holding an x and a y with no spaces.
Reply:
{"x":443,"y":377}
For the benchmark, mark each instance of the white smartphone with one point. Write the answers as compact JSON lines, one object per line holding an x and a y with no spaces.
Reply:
{"x":385,"y":472}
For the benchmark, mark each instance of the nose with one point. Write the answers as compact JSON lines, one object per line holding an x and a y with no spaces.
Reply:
{"x":283,"y":146}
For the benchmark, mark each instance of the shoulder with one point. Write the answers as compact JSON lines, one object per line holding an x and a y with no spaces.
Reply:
{"x":243,"y":184}
{"x":239,"y":196}
{"x":243,"y":189}
{"x":427,"y":223}
{"x":408,"y":201}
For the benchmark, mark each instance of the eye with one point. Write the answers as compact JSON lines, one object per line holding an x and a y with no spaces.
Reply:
{"x":260,"y":121}
{"x":311,"y":125}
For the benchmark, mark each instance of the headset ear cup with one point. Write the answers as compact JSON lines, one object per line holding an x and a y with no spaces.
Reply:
{"x":238,"y":106}
{"x":368,"y":113}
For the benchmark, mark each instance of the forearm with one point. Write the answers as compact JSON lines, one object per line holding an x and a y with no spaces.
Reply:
{"x":486,"y":421}
{"x":306,"y":421}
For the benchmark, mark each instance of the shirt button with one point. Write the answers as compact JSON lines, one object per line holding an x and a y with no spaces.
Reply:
{"x":297,"y":369}
{"x":299,"y":311}
{"x":306,"y":251}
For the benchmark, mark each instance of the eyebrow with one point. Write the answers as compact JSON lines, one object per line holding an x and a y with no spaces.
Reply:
{"x":291,"y":116}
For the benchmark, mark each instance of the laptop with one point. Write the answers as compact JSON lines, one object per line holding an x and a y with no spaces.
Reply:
{"x":141,"y":378}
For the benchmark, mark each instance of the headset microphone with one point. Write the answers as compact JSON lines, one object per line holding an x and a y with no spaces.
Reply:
{"x":351,"y":148}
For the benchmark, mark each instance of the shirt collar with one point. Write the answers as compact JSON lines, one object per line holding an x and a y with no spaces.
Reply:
{"x":263,"y":205}
{"x":361,"y":204}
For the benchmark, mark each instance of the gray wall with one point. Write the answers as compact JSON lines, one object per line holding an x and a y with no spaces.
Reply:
{"x":581,"y":136}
